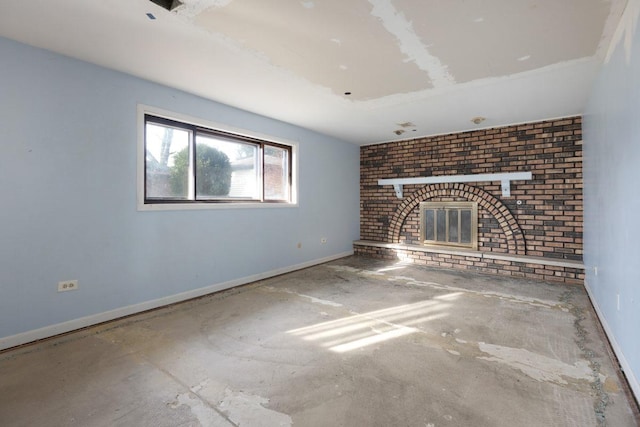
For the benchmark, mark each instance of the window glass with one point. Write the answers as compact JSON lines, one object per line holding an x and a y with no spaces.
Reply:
{"x":441,"y":224}
{"x":465,"y":229}
{"x":167,"y":160}
{"x":453,"y":226}
{"x":226,"y":168}
{"x":430,"y":224}
{"x":276,"y":173}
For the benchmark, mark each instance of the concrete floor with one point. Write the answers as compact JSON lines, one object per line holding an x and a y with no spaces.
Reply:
{"x":355,"y":342}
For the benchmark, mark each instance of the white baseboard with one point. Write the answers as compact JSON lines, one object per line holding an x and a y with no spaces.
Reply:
{"x":628,"y":371}
{"x":94,"y":319}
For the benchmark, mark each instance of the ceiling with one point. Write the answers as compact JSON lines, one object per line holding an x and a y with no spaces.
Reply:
{"x":364,"y":71}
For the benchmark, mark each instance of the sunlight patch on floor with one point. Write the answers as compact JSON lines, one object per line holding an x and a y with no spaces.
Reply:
{"x":397,"y":266}
{"x":374,"y":327}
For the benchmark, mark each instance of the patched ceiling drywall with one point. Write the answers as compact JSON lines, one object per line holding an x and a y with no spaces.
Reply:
{"x":359,"y":70}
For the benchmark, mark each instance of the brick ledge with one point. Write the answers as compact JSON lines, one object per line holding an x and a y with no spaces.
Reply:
{"x":477,"y":254}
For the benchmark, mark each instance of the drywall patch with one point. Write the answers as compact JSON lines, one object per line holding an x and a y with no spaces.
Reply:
{"x":625,"y":30}
{"x":410,"y":44}
{"x":192,"y":8}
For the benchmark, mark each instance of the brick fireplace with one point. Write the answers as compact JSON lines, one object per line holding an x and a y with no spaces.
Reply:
{"x":535,"y":232}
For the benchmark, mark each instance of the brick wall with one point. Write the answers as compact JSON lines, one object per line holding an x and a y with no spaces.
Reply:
{"x":550,"y":211}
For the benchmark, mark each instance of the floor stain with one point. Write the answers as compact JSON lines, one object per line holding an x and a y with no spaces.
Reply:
{"x":246,"y":409}
{"x":536,"y":366}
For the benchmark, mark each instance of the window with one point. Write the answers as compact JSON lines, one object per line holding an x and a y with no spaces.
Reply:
{"x":449,"y":224}
{"x":185,"y":163}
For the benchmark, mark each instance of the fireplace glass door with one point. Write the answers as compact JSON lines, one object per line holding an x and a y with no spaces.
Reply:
{"x":449,"y":224}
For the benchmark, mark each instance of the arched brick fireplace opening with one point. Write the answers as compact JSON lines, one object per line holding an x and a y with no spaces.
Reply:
{"x":507,"y":222}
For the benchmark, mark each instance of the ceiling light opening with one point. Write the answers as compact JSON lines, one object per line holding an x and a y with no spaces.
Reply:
{"x":347,"y":93}
{"x":167,"y":4}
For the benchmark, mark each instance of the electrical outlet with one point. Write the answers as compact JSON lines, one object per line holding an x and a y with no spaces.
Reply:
{"x":67,"y":285}
{"x":323,"y":240}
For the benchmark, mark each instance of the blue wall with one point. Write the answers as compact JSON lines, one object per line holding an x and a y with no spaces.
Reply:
{"x":612,"y":202}
{"x":68,"y":134}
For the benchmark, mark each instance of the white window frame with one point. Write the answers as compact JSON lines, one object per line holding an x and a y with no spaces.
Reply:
{"x":158,"y":112}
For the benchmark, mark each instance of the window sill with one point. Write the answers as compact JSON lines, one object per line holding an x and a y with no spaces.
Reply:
{"x":211,"y":206}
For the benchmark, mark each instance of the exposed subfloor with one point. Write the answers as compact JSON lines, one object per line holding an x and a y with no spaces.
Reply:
{"x":355,"y":342}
